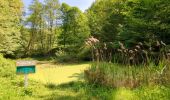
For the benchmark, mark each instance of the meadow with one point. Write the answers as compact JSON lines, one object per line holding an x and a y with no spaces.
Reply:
{"x":111,"y":50}
{"x":58,"y":73}
{"x":54,"y":82}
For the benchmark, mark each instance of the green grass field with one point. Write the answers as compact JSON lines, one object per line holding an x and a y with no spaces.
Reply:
{"x":54,"y":81}
{"x":58,"y":73}
{"x":44,"y":84}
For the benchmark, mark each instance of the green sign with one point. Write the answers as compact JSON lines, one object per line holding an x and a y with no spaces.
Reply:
{"x":25,"y":69}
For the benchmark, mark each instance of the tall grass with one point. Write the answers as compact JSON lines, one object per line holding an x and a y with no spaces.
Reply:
{"x":116,"y":75}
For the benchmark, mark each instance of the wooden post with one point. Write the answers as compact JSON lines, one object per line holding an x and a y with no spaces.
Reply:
{"x":25,"y":80}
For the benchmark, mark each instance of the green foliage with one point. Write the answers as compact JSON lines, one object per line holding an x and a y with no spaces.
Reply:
{"x":39,"y":35}
{"x":130,"y":21}
{"x":106,"y":18}
{"x":144,"y":22}
{"x":75,"y":29}
{"x":6,"y":67}
{"x":52,"y":26}
{"x":65,"y":57}
{"x":10,"y":15}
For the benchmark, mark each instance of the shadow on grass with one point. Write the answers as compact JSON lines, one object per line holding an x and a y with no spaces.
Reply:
{"x":78,"y":91}
{"x":67,"y":91}
{"x":78,"y":76}
{"x":51,"y":86}
{"x":62,"y":97}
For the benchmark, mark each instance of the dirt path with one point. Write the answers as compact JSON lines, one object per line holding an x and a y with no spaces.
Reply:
{"x":57,"y":73}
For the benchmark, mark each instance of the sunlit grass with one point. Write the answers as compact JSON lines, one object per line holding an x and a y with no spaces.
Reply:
{"x":58,"y":73}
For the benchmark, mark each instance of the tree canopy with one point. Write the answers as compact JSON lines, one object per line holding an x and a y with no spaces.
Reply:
{"x":50,"y":26}
{"x":10,"y":16}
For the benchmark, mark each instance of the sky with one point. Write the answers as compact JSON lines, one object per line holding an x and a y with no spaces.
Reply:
{"x":81,"y":4}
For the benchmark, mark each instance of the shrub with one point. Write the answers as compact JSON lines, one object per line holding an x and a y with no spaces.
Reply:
{"x":63,"y":56}
{"x":6,"y":67}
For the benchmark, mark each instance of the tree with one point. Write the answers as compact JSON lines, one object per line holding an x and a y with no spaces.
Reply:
{"x":65,"y":26}
{"x":35,"y":23}
{"x":75,"y":29}
{"x":146,"y":21}
{"x":43,"y":26}
{"x":11,"y":12}
{"x":52,"y":17}
{"x":106,"y":18}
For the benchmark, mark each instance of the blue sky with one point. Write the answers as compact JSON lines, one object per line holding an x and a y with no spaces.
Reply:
{"x":82,"y":4}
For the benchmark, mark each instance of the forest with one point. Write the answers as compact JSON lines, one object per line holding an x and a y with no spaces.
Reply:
{"x":122,"y":48}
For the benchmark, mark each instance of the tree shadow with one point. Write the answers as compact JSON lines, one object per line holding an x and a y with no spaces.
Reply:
{"x":77,"y":90}
{"x":79,"y":76}
{"x":73,"y":86}
{"x":66,"y":91}
{"x":51,"y":86}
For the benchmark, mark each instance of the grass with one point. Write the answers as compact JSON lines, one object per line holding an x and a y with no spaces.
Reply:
{"x":116,"y":75}
{"x":13,"y":90}
{"x":58,"y":73}
{"x":43,"y":85}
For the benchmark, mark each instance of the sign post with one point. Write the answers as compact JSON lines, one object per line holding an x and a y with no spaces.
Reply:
{"x":25,"y":80}
{"x":25,"y":67}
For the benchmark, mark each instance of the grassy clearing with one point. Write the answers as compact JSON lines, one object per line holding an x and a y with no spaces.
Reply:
{"x":58,"y":73}
{"x":11,"y":86}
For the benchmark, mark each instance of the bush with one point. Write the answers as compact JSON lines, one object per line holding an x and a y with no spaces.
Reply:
{"x":63,"y":56}
{"x":66,"y":58}
{"x":6,"y":67}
